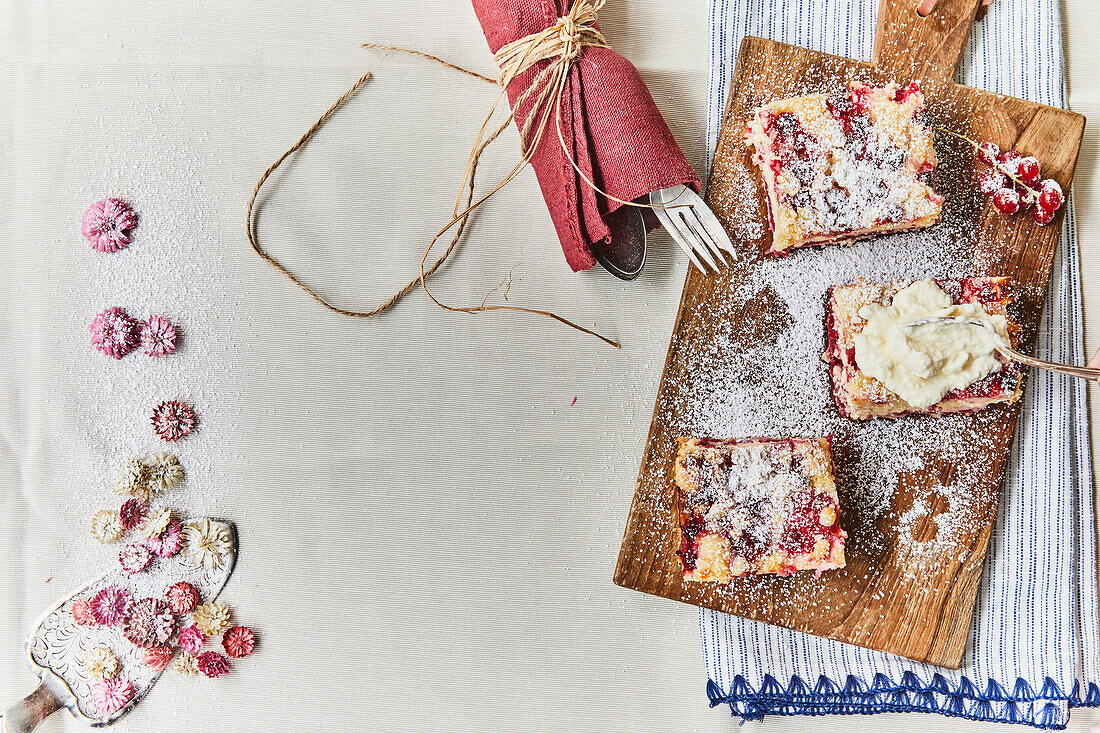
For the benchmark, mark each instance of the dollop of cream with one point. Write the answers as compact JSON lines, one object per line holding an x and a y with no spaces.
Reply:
{"x":923,"y":363}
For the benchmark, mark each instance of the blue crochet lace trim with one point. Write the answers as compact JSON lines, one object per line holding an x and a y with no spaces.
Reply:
{"x":994,"y":703}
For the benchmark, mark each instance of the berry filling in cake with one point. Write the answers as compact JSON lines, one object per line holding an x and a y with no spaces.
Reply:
{"x":756,"y":506}
{"x":843,"y":166}
{"x":882,"y":366}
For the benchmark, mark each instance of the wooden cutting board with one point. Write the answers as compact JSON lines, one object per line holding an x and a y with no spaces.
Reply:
{"x":890,"y":597}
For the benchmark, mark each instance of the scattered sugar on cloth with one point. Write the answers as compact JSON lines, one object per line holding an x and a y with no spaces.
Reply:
{"x":166,"y":270}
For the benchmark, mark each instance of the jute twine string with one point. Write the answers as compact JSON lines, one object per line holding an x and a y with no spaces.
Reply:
{"x":560,"y":45}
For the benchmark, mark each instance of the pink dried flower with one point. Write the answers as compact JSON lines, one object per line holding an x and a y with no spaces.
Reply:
{"x":157,"y":657}
{"x":191,"y":639}
{"x":169,"y":542}
{"x":132,"y":514}
{"x":110,"y":695}
{"x":172,"y":420}
{"x":158,"y":336}
{"x":114,"y":332}
{"x":212,"y":664}
{"x":82,"y":612}
{"x":107,"y":225}
{"x":150,"y":623}
{"x":239,"y":641}
{"x":183,"y":597}
{"x":110,"y":605}
{"x":134,"y":558}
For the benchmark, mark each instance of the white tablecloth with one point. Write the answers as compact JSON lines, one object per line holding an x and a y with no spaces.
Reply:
{"x":428,"y":526}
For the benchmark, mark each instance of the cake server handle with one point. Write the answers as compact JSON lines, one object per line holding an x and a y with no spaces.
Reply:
{"x":1093,"y":375}
{"x":25,"y":715}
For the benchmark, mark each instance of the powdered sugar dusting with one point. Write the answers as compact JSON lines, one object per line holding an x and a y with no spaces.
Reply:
{"x":777,"y":385}
{"x":165,"y":272}
{"x":759,"y":372}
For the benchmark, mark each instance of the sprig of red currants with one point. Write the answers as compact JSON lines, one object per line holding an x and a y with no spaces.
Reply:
{"x":1016,"y":182}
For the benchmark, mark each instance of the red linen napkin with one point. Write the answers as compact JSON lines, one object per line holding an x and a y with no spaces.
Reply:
{"x":609,"y":122}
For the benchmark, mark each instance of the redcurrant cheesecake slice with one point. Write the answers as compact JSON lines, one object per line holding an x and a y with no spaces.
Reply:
{"x":756,"y":506}
{"x":904,"y":347}
{"x":844,"y":166}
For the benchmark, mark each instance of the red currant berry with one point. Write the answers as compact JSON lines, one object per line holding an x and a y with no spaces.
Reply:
{"x":1051,"y":197}
{"x":1028,"y":169}
{"x":1042,"y":216}
{"x":987,"y":153}
{"x":990,"y":181}
{"x":1008,"y":155}
{"x":1007,"y":201}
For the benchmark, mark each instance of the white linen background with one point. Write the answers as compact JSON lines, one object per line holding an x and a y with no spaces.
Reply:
{"x":428,"y":528}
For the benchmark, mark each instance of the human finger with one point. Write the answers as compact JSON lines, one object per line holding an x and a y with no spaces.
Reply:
{"x":924,"y":7}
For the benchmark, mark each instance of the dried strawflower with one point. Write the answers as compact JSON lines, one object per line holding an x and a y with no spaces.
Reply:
{"x":131,"y":480}
{"x":110,"y":605}
{"x":173,"y":420}
{"x":183,"y":597}
{"x":167,"y":543}
{"x":150,"y":623}
{"x":212,"y":618}
{"x":157,"y":657}
{"x":82,"y":612}
{"x":106,"y":527}
{"x":239,"y":641}
{"x":185,"y":664}
{"x":114,"y":332}
{"x":207,"y":542}
{"x":131,"y":514}
{"x":110,"y":695}
{"x":102,"y":664}
{"x":191,"y":639}
{"x":134,"y":558}
{"x":158,"y":522}
{"x":212,"y":664}
{"x":107,"y":225}
{"x":158,"y":336}
{"x":165,"y":472}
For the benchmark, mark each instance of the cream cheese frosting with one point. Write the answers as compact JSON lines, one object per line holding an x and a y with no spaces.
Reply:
{"x":923,"y":363}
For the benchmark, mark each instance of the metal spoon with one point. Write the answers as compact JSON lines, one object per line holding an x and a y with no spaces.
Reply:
{"x":624,"y":255}
{"x":1093,"y":375}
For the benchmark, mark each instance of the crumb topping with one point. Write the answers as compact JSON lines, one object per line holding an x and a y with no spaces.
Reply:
{"x":845,"y":163}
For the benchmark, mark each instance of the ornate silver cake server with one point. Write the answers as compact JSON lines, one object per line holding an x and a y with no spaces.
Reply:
{"x":58,"y":646}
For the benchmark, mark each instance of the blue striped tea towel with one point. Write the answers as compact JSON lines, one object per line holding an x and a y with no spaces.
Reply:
{"x":1034,"y":650}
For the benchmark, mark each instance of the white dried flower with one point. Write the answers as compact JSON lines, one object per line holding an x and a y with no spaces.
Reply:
{"x":106,"y":526}
{"x":102,"y":664}
{"x":165,"y":472}
{"x":132,"y":479}
{"x":157,"y":523}
{"x":207,"y":543}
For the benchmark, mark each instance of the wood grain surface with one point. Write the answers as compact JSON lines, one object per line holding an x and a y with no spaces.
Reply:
{"x":871,"y":603}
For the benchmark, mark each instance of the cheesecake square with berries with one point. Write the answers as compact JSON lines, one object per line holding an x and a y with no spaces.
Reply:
{"x":843,"y":166}
{"x":860,"y":396}
{"x":756,"y":506}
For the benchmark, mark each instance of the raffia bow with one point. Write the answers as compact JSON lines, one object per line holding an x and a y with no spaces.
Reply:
{"x":560,"y":45}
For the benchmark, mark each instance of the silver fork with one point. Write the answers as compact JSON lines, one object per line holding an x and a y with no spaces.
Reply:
{"x":1093,"y":375}
{"x":694,"y":227}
